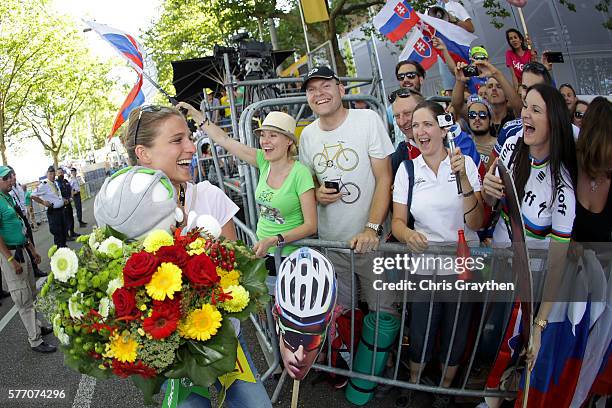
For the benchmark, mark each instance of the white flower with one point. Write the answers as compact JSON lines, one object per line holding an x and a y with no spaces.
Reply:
{"x":113,"y":285}
{"x":104,"y":307}
{"x":74,"y":305}
{"x":111,"y":246}
{"x":64,"y":264}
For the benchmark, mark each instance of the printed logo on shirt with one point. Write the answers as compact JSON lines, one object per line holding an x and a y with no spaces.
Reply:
{"x":529,"y":197}
{"x":419,"y":180}
{"x":561,"y":199}
{"x":518,"y":66}
{"x":271,"y":214}
{"x":541,"y":176}
{"x":335,"y":156}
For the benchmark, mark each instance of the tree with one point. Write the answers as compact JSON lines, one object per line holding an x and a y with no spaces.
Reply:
{"x":69,"y":79}
{"x":24,"y":48}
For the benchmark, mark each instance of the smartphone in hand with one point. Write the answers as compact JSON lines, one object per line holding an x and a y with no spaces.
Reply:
{"x":554,"y":57}
{"x":333,"y":185}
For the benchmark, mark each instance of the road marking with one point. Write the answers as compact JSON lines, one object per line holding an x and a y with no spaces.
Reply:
{"x":85,"y":392}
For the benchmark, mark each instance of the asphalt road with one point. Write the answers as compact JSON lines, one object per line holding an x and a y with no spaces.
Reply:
{"x":23,"y":369}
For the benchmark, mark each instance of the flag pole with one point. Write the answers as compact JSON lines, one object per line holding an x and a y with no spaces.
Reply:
{"x":305,"y":32}
{"x":295,"y":394}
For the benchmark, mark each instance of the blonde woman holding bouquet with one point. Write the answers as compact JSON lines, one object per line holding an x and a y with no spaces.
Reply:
{"x":158,"y":137}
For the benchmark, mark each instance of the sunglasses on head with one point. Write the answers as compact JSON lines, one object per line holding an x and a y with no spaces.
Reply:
{"x":402,"y":93}
{"x":481,"y":114}
{"x":146,"y":108}
{"x":530,"y":66}
{"x":294,"y":339}
{"x":409,"y":75}
{"x":578,"y":115}
{"x":479,"y":58}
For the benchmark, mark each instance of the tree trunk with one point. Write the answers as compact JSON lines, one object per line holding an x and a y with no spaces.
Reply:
{"x":333,"y":38}
{"x":3,"y":152}
{"x":55,"y":156}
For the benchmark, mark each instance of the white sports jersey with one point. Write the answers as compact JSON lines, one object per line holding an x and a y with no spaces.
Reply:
{"x":543,"y":218}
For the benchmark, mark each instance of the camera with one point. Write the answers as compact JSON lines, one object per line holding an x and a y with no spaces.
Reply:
{"x":446,"y":120}
{"x":471,"y":71}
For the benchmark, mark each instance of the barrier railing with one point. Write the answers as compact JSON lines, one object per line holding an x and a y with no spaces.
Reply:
{"x":496,"y":260}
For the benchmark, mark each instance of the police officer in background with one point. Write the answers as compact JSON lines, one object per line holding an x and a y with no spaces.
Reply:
{"x":16,"y":266}
{"x":66,"y":192}
{"x":48,"y":194}
{"x":76,"y":196}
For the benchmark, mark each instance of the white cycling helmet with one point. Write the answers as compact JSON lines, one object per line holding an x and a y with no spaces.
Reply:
{"x":136,"y":200}
{"x":306,"y":288}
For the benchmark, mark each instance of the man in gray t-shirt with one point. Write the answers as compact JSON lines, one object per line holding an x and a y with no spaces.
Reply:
{"x":347,"y":151}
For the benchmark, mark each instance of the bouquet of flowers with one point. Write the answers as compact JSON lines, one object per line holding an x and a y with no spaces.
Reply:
{"x":152,"y":309}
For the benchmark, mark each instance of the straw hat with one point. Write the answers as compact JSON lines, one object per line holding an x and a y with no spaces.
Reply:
{"x":279,"y":122}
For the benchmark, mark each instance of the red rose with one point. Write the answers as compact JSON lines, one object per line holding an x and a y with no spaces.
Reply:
{"x":125,"y":302}
{"x":124,"y":370}
{"x":139,"y":269}
{"x":174,"y":254}
{"x":201,"y":271}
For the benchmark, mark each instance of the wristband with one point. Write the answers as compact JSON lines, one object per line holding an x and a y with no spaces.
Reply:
{"x":205,"y":121}
{"x":10,"y":258}
{"x":469,"y":193}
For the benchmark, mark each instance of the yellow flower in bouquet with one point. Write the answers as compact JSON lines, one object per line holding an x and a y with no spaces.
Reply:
{"x":201,"y":324}
{"x":239,"y":300}
{"x":123,"y":347}
{"x":196,"y":247}
{"x":228,"y":278}
{"x":165,"y":281}
{"x":157,"y":239}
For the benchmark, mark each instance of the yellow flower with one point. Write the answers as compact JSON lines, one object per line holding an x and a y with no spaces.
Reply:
{"x":239,"y":300}
{"x":122,"y":347}
{"x":196,"y":247}
{"x":157,"y":239}
{"x":228,"y":278}
{"x":165,"y":281}
{"x":141,"y":331}
{"x":143,"y":307}
{"x":201,"y":324}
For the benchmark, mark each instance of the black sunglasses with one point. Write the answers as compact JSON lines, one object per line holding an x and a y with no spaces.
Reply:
{"x":481,"y":114}
{"x":409,"y":75}
{"x":146,"y":108}
{"x":402,"y":93}
{"x":293,"y":340}
{"x":534,"y":66}
{"x":578,"y":115}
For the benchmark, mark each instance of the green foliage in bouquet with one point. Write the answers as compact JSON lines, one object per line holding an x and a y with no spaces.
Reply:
{"x":152,"y":309}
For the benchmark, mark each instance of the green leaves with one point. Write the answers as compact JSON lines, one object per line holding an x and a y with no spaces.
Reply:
{"x":148,"y":386}
{"x":204,"y":362}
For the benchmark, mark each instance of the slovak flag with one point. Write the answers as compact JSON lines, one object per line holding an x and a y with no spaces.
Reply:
{"x":127,"y":46}
{"x":395,"y":19}
{"x":419,"y":48}
{"x":456,"y":39}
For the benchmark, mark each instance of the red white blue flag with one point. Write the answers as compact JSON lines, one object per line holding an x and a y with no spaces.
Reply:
{"x":128,"y":47}
{"x":420,"y":49}
{"x":395,"y":19}
{"x":456,"y":39}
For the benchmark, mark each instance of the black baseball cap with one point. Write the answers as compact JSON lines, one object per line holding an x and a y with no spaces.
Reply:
{"x":322,"y":71}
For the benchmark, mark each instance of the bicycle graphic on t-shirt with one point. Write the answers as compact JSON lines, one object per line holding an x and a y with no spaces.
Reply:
{"x":345,"y":158}
{"x":350,"y":191}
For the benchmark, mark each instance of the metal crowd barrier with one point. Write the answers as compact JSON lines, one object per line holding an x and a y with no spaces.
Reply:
{"x":463,"y":374}
{"x":263,"y":321}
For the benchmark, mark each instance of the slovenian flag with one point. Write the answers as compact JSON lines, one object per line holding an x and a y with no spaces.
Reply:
{"x":128,"y":47}
{"x":395,"y":19}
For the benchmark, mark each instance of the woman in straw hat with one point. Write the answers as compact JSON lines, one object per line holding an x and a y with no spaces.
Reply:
{"x":285,"y":192}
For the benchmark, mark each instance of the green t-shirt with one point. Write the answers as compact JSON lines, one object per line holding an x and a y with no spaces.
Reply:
{"x":11,"y":226}
{"x":280,"y":209}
